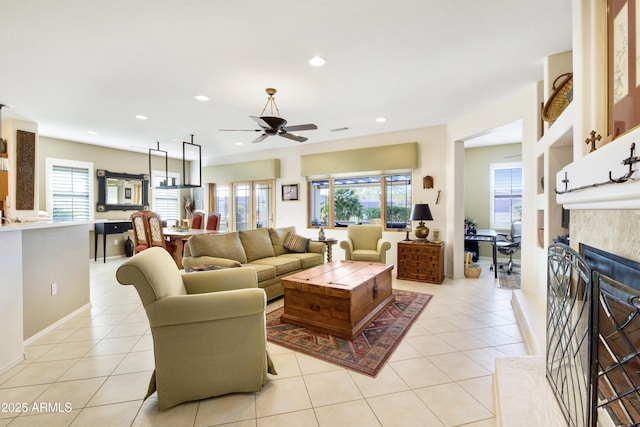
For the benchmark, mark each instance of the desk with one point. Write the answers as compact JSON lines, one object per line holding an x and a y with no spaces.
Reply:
{"x":488,"y":236}
{"x":104,"y":228}
{"x":328,"y":242}
{"x":177,"y":238}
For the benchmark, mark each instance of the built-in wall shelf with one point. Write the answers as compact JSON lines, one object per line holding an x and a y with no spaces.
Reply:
{"x":559,"y":134}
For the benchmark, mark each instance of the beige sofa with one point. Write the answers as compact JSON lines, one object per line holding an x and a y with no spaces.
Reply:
{"x":263,"y":249}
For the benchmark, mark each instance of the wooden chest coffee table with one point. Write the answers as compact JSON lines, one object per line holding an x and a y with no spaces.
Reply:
{"x":339,"y":298}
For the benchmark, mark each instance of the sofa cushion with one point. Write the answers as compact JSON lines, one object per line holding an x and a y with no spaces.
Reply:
{"x":277,"y":238}
{"x":296,"y":243}
{"x":307,"y":260}
{"x":256,"y":243}
{"x":283,"y":264}
{"x":227,"y":245}
{"x":263,"y":271}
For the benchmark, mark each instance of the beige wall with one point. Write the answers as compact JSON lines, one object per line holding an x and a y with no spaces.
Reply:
{"x":102,"y":158}
{"x":51,"y":255}
{"x":477,"y":163}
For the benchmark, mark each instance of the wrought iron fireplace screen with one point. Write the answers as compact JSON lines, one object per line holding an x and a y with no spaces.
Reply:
{"x":593,"y":337}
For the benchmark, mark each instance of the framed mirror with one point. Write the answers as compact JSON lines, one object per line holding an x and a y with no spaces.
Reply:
{"x":122,"y":191}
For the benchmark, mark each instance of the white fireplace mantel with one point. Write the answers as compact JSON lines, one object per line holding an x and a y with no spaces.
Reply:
{"x":593,"y":169}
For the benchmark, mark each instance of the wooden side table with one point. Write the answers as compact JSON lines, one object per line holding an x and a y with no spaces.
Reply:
{"x":421,"y":261}
{"x":328,"y":242}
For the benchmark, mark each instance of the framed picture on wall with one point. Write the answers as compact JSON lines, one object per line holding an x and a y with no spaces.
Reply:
{"x":290,"y":192}
{"x":623,"y":65}
{"x":127,"y":193}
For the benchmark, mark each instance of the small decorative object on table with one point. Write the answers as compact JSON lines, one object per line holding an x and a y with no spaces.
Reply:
{"x":321,"y":233}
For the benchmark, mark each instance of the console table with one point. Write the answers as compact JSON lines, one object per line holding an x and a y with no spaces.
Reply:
{"x":108,"y":227}
{"x":421,"y":261}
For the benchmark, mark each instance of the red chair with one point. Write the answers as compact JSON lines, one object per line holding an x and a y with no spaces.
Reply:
{"x":198,"y":220}
{"x":213,"y":221}
{"x":140,"y":238}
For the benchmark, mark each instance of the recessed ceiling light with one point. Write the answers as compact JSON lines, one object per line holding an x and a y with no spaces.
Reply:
{"x":201,"y":98}
{"x":141,"y":117}
{"x":92,"y":132}
{"x":317,"y":61}
{"x":381,"y":120}
{"x":239,"y":143}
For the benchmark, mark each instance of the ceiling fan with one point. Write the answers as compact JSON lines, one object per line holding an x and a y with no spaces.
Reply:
{"x":273,"y":124}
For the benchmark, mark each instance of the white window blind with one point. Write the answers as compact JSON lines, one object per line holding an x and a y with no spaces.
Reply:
{"x":166,"y":201}
{"x":506,"y":194}
{"x":71,"y":196}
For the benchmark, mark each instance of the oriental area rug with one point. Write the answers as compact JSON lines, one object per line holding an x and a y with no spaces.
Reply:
{"x":369,"y":351}
{"x":509,"y":281}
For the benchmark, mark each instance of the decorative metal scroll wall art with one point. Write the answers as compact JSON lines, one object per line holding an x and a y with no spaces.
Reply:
{"x":568,"y":318}
{"x":629,"y":161}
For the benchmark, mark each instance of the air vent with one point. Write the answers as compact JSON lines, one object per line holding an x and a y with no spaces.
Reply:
{"x":339,"y":129}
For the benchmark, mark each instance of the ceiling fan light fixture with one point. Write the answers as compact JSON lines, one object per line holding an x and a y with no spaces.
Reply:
{"x":317,"y":61}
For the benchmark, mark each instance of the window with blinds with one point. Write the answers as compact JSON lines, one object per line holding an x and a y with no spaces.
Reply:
{"x":70,"y":190}
{"x":166,"y":201}
{"x":506,"y":194}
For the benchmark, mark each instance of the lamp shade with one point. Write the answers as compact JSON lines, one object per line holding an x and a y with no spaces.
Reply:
{"x":421,"y":212}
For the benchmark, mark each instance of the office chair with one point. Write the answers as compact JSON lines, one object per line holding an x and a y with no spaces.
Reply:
{"x":510,"y":244}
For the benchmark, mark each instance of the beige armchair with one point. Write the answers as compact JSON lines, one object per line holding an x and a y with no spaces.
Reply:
{"x":365,"y":243}
{"x":209,"y":332}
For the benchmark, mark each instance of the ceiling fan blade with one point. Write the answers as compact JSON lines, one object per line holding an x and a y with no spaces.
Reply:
{"x":309,"y":126}
{"x":293,"y":136}
{"x":261,"y":122}
{"x":260,"y":138}
{"x":240,"y":130}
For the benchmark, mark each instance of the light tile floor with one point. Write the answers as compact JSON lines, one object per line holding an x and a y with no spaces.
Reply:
{"x":94,"y":369}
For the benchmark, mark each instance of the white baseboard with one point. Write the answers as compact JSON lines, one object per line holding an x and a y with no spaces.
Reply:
{"x":55,"y":325}
{"x":11,"y":364}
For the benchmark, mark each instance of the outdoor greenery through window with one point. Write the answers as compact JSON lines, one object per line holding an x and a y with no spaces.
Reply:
{"x":384,"y":200}
{"x":506,"y":194}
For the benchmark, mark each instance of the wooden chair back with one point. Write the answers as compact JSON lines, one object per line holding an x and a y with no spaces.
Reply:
{"x":140,"y":237}
{"x":154,"y":227}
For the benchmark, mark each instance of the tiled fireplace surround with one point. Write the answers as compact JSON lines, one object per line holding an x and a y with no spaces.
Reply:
{"x":615,"y":231}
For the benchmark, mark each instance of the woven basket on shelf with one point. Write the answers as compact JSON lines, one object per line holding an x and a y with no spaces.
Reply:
{"x":559,"y":99}
{"x":471,"y":270}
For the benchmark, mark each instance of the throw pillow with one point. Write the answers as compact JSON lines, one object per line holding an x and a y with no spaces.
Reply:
{"x":296,"y":243}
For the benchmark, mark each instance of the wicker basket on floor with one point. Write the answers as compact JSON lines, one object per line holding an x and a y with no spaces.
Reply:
{"x":471,"y":270}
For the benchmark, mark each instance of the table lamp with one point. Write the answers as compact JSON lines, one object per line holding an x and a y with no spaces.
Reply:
{"x":421,"y":212}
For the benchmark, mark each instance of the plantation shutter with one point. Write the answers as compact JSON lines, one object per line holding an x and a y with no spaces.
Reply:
{"x":507,"y":194}
{"x":167,"y":202}
{"x":70,"y":193}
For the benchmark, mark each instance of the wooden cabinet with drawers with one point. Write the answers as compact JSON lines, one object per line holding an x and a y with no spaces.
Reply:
{"x":421,"y":261}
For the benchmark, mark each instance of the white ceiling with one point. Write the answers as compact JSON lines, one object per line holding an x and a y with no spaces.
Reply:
{"x":75,"y":66}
